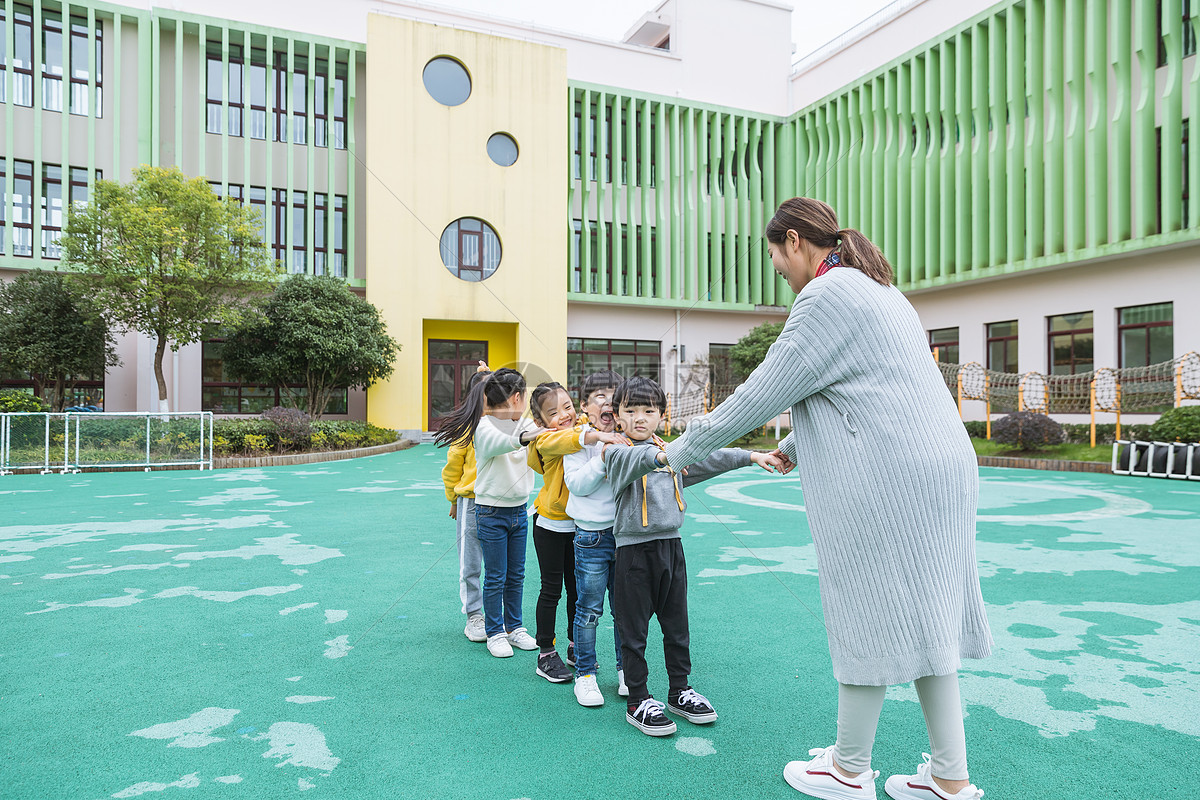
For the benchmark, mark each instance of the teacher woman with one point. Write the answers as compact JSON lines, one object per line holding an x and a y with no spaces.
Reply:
{"x":890,"y":487}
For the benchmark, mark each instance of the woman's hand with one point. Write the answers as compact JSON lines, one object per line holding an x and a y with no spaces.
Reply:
{"x":453,"y":511}
{"x":786,"y":464}
{"x":771,"y":462}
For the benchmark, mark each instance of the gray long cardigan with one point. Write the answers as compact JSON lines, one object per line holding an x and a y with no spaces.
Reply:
{"x":889,"y":476}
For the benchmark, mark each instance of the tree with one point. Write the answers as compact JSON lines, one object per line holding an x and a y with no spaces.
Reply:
{"x":163,"y":256}
{"x":752,"y":348}
{"x":54,"y":334}
{"x":314,"y":337}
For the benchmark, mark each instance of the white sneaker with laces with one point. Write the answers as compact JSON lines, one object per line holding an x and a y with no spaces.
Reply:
{"x":521,"y":638}
{"x":820,"y":778}
{"x":474,"y":630}
{"x":498,"y":646}
{"x":922,"y":787}
{"x":587,"y":692}
{"x":622,"y":689}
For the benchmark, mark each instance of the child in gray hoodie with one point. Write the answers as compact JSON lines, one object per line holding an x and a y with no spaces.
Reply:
{"x":651,"y":574}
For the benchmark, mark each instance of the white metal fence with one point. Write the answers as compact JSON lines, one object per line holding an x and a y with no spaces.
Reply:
{"x":76,"y":440}
{"x":1177,"y":460}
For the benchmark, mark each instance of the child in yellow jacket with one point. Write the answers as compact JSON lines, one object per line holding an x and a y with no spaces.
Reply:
{"x":553,"y":530}
{"x":459,"y":478}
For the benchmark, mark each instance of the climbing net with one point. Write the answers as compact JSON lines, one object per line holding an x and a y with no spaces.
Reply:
{"x":1150,"y":388}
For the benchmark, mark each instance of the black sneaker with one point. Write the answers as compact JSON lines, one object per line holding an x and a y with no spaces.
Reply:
{"x":648,"y":717}
{"x":570,"y":654}
{"x":551,"y":667}
{"x":691,"y":705}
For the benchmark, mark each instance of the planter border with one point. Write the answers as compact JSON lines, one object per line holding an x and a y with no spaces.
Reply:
{"x":242,"y":462}
{"x":1055,"y":464}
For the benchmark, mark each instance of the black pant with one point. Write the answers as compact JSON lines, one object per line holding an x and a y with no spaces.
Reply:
{"x":556,"y":562}
{"x":651,"y":580}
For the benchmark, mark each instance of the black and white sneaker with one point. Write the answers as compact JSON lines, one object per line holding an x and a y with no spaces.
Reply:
{"x":648,"y":717}
{"x":570,"y":654}
{"x":551,"y":667}
{"x":692,"y":706}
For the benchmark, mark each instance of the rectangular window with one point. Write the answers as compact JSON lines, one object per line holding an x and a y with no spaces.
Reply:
{"x":79,"y":66}
{"x":280,"y":133}
{"x":944,"y":342}
{"x":300,"y":100}
{"x":299,"y":232}
{"x":341,"y":265}
{"x":1070,"y":343}
{"x":577,"y":141}
{"x":258,"y":204}
{"x":52,"y":210}
{"x":257,"y":121}
{"x":23,"y":209}
{"x":279,"y":225}
{"x":214,"y":78}
{"x":720,"y":365}
{"x":3,"y":58}
{"x":236,"y":106}
{"x":222,"y":394}
{"x":52,"y":61}
{"x":23,"y":56}
{"x":1189,"y":35}
{"x":624,"y":356}
{"x":1002,"y":346}
{"x":320,"y":216}
{"x":3,"y":198}
{"x":1146,"y":335}
{"x":320,"y":104}
{"x":339,"y":106}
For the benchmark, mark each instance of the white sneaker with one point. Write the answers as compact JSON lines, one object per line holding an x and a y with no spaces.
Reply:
{"x":498,"y":646}
{"x":474,"y":630}
{"x":922,"y":787}
{"x":820,"y":778}
{"x":521,"y":638}
{"x":587,"y":692}
{"x":622,"y":689}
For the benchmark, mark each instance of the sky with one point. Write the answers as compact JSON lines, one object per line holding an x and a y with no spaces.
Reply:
{"x":814,"y":22}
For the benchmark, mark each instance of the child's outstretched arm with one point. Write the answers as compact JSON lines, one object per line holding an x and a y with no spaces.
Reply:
{"x":625,"y":465}
{"x":723,"y":460}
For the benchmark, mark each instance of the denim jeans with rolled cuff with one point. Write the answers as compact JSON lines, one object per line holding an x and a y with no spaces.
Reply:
{"x":595,"y":560}
{"x":502,"y":535}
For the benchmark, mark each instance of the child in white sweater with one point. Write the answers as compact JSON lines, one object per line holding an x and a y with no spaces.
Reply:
{"x":492,"y":415}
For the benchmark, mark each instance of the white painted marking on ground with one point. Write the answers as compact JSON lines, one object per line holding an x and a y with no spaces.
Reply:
{"x":306,"y":698}
{"x":227,"y":597}
{"x":800,"y":559}
{"x":186,"y":782}
{"x":720,"y":519}
{"x":298,"y":744}
{"x":285,"y":548}
{"x":194,"y":731}
{"x":228,"y":779}
{"x":129,"y":598}
{"x":285,"y":503}
{"x":371,"y":489}
{"x":10,"y":559}
{"x":149,"y":547}
{"x":108,"y":570}
{"x":332,"y":616}
{"x":300,"y":571}
{"x":993,"y":494}
{"x":296,"y":678}
{"x":338,"y":647}
{"x":695,"y":746}
{"x":240,"y":494}
{"x":28,"y":538}
{"x":305,"y":784}
{"x":301,"y":607}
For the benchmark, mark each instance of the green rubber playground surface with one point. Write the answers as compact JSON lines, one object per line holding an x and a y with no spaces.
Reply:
{"x":296,"y":631}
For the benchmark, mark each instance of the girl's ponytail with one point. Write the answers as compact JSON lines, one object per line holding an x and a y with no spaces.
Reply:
{"x":458,"y":427}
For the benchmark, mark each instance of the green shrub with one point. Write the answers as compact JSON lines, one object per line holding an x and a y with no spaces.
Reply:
{"x":236,"y":436}
{"x":14,"y":400}
{"x":1106,"y":433}
{"x":1027,"y":431}
{"x":976,"y":428}
{"x":1177,"y":425}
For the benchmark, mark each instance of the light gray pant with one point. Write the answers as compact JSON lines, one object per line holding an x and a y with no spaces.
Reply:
{"x":470,"y":559}
{"x":858,"y":716}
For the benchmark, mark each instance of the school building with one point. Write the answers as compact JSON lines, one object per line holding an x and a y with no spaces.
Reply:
{"x":549,"y":200}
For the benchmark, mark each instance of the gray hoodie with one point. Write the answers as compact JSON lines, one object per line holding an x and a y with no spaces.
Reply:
{"x":663,"y":501}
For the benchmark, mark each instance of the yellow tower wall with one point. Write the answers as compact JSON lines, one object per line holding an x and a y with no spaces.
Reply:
{"x":428,"y":166}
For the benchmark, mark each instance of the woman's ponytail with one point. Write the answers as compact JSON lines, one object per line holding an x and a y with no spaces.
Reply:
{"x":861,"y":253}
{"x":458,"y":427}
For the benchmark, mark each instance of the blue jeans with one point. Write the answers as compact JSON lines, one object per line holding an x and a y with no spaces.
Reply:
{"x":502,"y":533}
{"x":595,"y":559}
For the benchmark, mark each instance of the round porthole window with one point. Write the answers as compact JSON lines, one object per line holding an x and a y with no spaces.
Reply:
{"x":447,"y":81}
{"x":502,"y":149}
{"x":470,"y":249}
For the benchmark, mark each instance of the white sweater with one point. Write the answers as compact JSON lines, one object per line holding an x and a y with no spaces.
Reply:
{"x":503,"y":477}
{"x":591,"y":503}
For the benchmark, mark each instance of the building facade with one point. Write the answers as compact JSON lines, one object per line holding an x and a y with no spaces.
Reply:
{"x":548,"y":200}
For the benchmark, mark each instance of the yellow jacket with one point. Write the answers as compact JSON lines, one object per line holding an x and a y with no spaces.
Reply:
{"x":459,"y":472}
{"x":545,"y":458}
